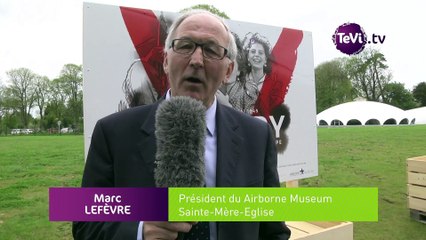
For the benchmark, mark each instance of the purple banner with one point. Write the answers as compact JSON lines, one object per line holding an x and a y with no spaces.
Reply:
{"x":108,"y":204}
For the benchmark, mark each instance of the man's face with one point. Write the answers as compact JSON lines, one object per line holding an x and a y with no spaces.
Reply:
{"x":194,"y":75}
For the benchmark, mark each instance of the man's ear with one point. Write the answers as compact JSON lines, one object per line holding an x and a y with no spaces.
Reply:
{"x":229,"y":71}
{"x":165,"y":64}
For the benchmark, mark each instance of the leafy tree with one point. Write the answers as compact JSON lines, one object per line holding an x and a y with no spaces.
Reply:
{"x":332,"y":85}
{"x":71,"y":80}
{"x":8,"y":102}
{"x":369,"y":74}
{"x":57,"y":100}
{"x":2,"y":109}
{"x":419,"y":93}
{"x":207,"y":7}
{"x":8,"y":110}
{"x":55,"y":113}
{"x":1,"y":100}
{"x":396,"y":95}
{"x":56,"y":108}
{"x":22,"y":91}
{"x":10,"y":120}
{"x":42,"y":96}
{"x":10,"y":116}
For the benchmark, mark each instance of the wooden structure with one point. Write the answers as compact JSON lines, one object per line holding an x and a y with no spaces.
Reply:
{"x":416,"y":175}
{"x":319,"y":230}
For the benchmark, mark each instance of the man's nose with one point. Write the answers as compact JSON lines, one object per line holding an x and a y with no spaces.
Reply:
{"x":197,"y":58}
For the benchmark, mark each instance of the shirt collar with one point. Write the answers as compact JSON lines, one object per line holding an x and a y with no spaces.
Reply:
{"x":210,"y":114}
{"x":211,"y":117}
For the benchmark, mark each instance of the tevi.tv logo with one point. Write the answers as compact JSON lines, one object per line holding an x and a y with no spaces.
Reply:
{"x":350,"y":38}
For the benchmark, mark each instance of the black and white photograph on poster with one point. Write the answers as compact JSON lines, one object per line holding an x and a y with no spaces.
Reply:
{"x":273,"y":76}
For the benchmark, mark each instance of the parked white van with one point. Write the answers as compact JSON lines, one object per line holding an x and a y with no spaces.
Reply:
{"x":27,"y":131}
{"x":15,"y":131}
{"x":66,"y":130}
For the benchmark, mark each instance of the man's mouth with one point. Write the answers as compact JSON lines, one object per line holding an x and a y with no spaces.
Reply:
{"x":193,"y":80}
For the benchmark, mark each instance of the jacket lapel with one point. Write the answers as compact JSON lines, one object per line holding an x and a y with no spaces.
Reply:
{"x":147,"y":144}
{"x":228,"y":147}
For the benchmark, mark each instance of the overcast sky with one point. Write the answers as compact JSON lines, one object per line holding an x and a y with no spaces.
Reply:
{"x":43,"y":35}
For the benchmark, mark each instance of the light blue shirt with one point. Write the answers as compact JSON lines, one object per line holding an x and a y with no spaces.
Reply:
{"x":210,"y":159}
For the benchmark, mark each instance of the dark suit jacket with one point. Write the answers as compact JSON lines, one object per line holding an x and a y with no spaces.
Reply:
{"x":122,"y":154}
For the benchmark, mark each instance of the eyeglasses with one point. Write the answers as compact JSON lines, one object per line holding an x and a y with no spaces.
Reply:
{"x":188,"y":47}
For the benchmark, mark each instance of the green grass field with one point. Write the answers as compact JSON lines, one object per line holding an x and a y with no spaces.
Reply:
{"x":349,"y":157}
{"x":373,"y":157}
{"x":29,"y":165}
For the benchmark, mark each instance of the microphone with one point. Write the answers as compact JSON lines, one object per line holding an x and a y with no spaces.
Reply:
{"x":180,"y":129}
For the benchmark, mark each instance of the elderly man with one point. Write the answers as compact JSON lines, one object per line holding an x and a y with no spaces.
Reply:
{"x":239,"y":152}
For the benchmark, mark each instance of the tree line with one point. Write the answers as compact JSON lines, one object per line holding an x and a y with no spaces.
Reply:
{"x":363,"y":76}
{"x":30,"y":100}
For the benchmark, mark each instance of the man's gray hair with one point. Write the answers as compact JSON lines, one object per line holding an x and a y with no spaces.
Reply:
{"x":232,"y":46}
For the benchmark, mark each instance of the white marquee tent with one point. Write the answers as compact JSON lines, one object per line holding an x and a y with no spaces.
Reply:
{"x":364,"y":113}
{"x":419,"y":114}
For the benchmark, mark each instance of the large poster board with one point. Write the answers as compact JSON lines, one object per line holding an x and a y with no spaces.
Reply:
{"x":122,"y":61}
